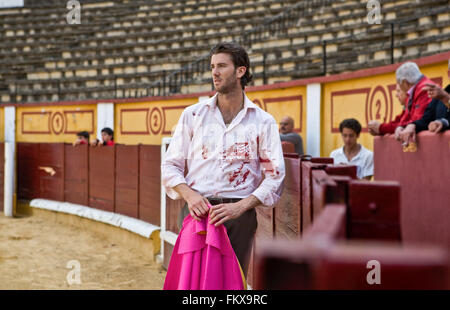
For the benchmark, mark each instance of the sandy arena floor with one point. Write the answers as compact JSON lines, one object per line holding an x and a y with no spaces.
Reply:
{"x":34,"y":254}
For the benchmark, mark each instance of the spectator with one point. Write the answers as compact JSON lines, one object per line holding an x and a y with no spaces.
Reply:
{"x":411,"y":81}
{"x":107,"y":137}
{"x":437,"y":115}
{"x":376,"y":128}
{"x":82,"y":138}
{"x":287,"y":134}
{"x":353,"y":153}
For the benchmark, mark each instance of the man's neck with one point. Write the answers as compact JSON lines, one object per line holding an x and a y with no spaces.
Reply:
{"x":353,"y":149}
{"x":231,"y":102}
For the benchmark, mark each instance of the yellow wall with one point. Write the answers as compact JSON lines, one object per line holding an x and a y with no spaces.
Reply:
{"x":365,"y":99}
{"x":149,"y":122}
{"x":284,"y":102}
{"x":54,"y":123}
{"x":2,"y":125}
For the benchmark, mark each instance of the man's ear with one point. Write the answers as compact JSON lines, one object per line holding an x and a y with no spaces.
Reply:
{"x":240,"y":71}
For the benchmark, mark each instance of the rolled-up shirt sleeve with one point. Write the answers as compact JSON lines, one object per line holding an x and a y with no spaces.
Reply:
{"x":174,"y":162}
{"x":272,"y":165}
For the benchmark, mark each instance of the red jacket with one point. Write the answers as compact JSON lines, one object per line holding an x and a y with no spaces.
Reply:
{"x":417,"y":103}
{"x":391,"y":126}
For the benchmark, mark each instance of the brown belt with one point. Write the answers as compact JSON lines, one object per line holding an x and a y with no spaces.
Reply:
{"x":217,"y":200}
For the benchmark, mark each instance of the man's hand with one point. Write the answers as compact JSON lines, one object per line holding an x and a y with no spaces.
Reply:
{"x":435,"y":92}
{"x":435,"y":126}
{"x":408,"y":134}
{"x":398,"y":132}
{"x":197,"y":204}
{"x":221,"y":213}
{"x":374,"y":128}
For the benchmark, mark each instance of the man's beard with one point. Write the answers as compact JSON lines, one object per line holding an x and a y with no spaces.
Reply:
{"x":227,"y":87}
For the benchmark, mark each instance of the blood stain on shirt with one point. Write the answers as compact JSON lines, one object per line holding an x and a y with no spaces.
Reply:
{"x":238,"y":176}
{"x":266,"y":163}
{"x":204,"y":152}
{"x":236,"y":152}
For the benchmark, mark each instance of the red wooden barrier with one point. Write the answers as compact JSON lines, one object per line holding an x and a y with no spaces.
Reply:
{"x":344,"y":267}
{"x":287,"y":212}
{"x":127,"y":180}
{"x":288,"y":147}
{"x":51,"y":155}
{"x":374,"y":210}
{"x":331,"y":224}
{"x":322,"y":188}
{"x":424,"y":177}
{"x":2,"y":176}
{"x":40,"y":170}
{"x":173,"y":208}
{"x":306,"y":189}
{"x":28,"y":175}
{"x":149,"y":184}
{"x":342,"y":170}
{"x":76,"y":180}
{"x":102,"y":178}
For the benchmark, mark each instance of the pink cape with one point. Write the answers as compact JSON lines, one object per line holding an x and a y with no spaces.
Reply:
{"x":203,"y":259}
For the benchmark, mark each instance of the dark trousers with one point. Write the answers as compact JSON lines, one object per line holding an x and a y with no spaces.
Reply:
{"x":241,"y":232}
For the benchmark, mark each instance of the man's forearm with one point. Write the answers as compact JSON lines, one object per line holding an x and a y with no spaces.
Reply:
{"x":250,"y":202}
{"x":183,"y":190}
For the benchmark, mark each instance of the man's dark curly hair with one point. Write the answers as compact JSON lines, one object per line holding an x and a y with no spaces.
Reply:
{"x":352,"y":124}
{"x":238,"y":55}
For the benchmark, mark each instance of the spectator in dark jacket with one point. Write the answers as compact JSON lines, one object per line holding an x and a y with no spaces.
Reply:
{"x":436,"y":117}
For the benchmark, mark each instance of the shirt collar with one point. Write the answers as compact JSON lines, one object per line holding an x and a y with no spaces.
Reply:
{"x":411,"y":90}
{"x":361,"y":150}
{"x":211,"y":102}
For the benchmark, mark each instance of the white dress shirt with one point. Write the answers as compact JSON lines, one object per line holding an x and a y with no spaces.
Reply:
{"x":225,"y":161}
{"x":363,"y":161}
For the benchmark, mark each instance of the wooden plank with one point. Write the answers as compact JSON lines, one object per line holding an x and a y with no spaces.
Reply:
{"x":322,"y":186}
{"x":76,"y":177}
{"x":374,"y":210}
{"x":150,"y":184}
{"x":28,"y":175}
{"x":51,"y":156}
{"x":127,"y":180}
{"x":330,"y":224}
{"x":306,"y":190}
{"x":342,"y":170}
{"x":287,"y":212}
{"x":102,"y":178}
{"x":404,"y":268}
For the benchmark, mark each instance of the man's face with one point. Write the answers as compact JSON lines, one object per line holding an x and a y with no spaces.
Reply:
{"x":349,"y":137}
{"x":404,"y":86}
{"x":225,"y":75}
{"x":81,"y":138}
{"x":106,"y":137}
{"x":286,"y":126}
{"x":401,"y":95}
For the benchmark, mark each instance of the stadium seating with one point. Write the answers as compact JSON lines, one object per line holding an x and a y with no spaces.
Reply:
{"x":122,"y":48}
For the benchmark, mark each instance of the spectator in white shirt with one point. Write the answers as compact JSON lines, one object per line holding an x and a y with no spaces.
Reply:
{"x":226,"y":141}
{"x":353,"y":153}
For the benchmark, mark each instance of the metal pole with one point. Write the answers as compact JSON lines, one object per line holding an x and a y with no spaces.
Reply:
{"x":164,"y":82}
{"x":115,"y":87}
{"x":324,"y":51}
{"x":264,"y":69}
{"x":392,"y":43}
